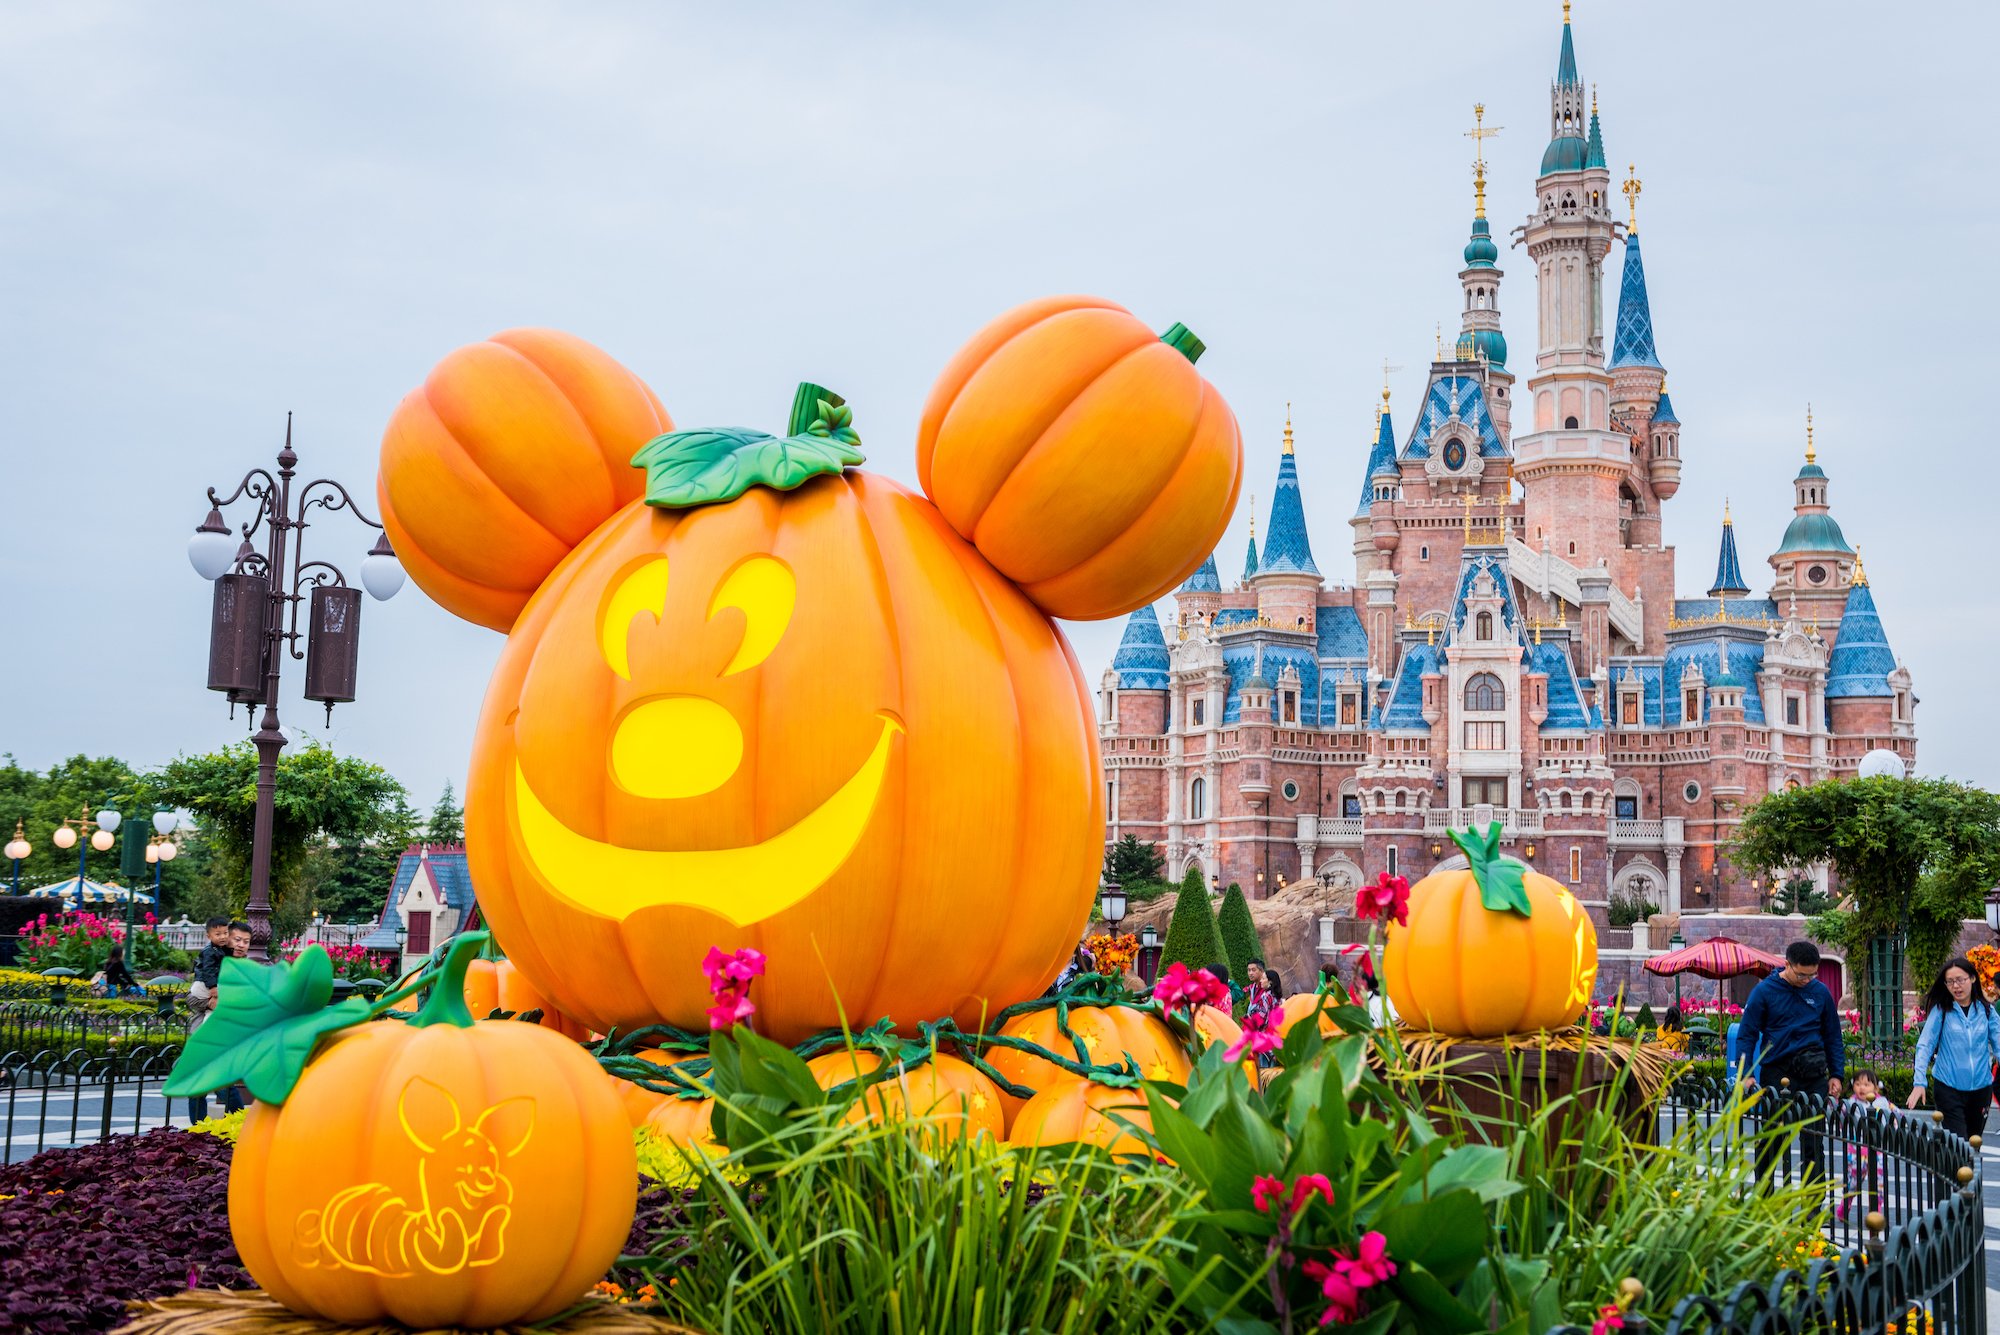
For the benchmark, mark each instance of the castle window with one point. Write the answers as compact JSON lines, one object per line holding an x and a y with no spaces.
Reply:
{"x":1627,"y":808}
{"x":1576,"y":866}
{"x":1350,"y":806}
{"x":1290,"y":706}
{"x":1349,"y":707}
{"x":1291,"y":791}
{"x":1200,"y":712}
{"x":1691,"y":791}
{"x":1485,"y":792}
{"x":1628,"y":710}
{"x":1392,"y":859}
{"x":1198,"y":800}
{"x":1569,"y":424}
{"x":1483,"y":626}
{"x":1902,"y":706}
{"x":1572,"y":549}
{"x":1691,"y":707}
{"x":1424,"y":553}
{"x":1792,"y":710}
{"x":1110,"y":800}
{"x":1485,"y":736}
{"x":1484,"y":692}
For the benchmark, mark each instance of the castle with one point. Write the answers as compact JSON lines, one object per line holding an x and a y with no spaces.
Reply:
{"x":1511,"y":647}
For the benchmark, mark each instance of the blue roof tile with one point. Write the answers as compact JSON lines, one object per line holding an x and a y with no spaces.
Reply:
{"x":1861,"y":661}
{"x":1745,"y":661}
{"x":1381,"y":462}
{"x":1449,"y":396}
{"x":1206,"y":579}
{"x":1633,"y":344}
{"x":1566,"y":708}
{"x":1341,"y":634}
{"x":1286,"y":548}
{"x":1406,"y":696}
{"x":1729,"y":582}
{"x":1663,"y":411}
{"x":1141,"y":661}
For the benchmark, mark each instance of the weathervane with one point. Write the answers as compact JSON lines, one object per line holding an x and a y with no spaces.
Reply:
{"x":1478,"y":134}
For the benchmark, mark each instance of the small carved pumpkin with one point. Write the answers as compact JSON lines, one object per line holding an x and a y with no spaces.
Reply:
{"x":438,"y":1171}
{"x":495,"y":984}
{"x":685,"y":1122}
{"x":1073,"y":1110}
{"x":1109,"y":1034}
{"x":1082,"y":454}
{"x":1493,"y":949}
{"x":640,"y":1102}
{"x":1301,"y":1005}
{"x":948,"y":1094}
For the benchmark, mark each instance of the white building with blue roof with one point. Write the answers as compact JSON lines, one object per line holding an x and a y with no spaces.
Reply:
{"x":1511,"y":645}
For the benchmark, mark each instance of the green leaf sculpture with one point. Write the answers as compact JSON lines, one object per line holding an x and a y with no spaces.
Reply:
{"x":1500,"y":881}
{"x":716,"y":464}
{"x":265,"y":1026}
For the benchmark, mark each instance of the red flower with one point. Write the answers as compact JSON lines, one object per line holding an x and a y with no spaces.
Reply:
{"x":1266,"y":1192}
{"x":1259,"y":1036}
{"x":1370,"y":1264}
{"x":1181,"y":988}
{"x":1609,"y":1318}
{"x":729,"y":976}
{"x":1343,"y":1299}
{"x":730,"y":1010}
{"x":1388,"y":898}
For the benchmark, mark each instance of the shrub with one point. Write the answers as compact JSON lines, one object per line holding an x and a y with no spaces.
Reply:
{"x":1239,"y":934}
{"x":1192,"y":936}
{"x":353,"y":963}
{"x":83,"y":941}
{"x":1627,"y":909}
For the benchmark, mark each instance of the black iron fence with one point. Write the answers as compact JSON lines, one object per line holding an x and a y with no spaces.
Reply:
{"x":32,"y":1028}
{"x":50,"y":1098}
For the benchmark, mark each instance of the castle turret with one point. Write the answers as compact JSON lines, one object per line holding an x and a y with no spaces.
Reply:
{"x":1729,"y":581}
{"x":1287,"y":581}
{"x":1200,"y":597}
{"x":1813,"y":560}
{"x":1636,"y":373}
{"x":1663,"y":464}
{"x":1250,"y":554}
{"x":1375,"y":527}
{"x":1480,"y":339}
{"x":1868,"y":697}
{"x":1574,"y":463}
{"x":1135,"y":686}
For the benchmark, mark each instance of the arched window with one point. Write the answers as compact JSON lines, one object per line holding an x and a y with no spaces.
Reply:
{"x":1198,"y":800}
{"x":1483,"y":626}
{"x":1569,"y":424}
{"x":1484,"y":692}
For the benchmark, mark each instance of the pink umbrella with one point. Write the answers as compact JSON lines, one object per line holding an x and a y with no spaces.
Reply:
{"x":1719,"y":957}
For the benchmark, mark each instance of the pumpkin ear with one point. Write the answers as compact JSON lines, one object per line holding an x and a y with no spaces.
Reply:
{"x":508,"y":454}
{"x":429,"y":1113}
{"x":1082,"y":454}
{"x":508,"y":1124}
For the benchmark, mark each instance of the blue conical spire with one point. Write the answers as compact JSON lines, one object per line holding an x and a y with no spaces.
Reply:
{"x":1381,"y":460}
{"x":1663,"y":411}
{"x":1141,"y":661}
{"x":1729,"y":582}
{"x":1286,"y":551}
{"x":1250,"y":557}
{"x":1633,"y":343}
{"x":1205,"y":579}
{"x":1594,"y":153}
{"x":1861,"y":661}
{"x":1566,"y":63}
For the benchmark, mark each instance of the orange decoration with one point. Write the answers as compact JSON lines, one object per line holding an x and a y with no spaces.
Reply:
{"x":1083,"y":454}
{"x":640,"y":1102}
{"x":438,"y":1173}
{"x":685,"y":1122}
{"x":1300,"y":1005}
{"x":1444,"y":971}
{"x":509,"y":455}
{"x":943,"y":1091}
{"x":492,"y":985}
{"x":1073,"y":1110}
{"x":1110,"y":1034}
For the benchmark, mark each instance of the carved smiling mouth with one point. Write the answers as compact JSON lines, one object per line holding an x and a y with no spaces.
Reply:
{"x":743,"y":885}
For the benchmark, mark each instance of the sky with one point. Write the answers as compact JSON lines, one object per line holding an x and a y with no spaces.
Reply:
{"x":211,"y":215}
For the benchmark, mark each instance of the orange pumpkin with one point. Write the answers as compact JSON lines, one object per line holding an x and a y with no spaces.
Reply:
{"x":950,"y":1095}
{"x":1109,"y":1034}
{"x":640,"y":1102}
{"x":492,"y":985}
{"x":1219,"y":1026}
{"x":1073,"y":1110}
{"x":666,"y":762}
{"x":1493,"y":949}
{"x":1301,"y":1005}
{"x":684,"y":1121}
{"x":1083,"y":454}
{"x":509,"y":455}
{"x":439,"y":1172}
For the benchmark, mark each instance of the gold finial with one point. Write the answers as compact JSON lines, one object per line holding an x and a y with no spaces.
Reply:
{"x":1430,"y":632}
{"x":1479,"y":134}
{"x":1860,"y":575}
{"x":1409,"y":617}
{"x":1809,"y":439}
{"x":1562,"y":615}
{"x":1565,"y":13}
{"x":1632,"y":187}
{"x":1288,"y":427}
{"x":1253,"y":516}
{"x":1437,"y":333}
{"x":1726,"y":521}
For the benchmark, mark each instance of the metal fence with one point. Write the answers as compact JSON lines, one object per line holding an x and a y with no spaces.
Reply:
{"x":51,"y":1099}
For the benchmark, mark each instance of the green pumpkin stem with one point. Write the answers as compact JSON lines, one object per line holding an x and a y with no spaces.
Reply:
{"x":1182,"y":340}
{"x":806,"y":403}
{"x":1502,"y":888}
{"x":447,"y":1000}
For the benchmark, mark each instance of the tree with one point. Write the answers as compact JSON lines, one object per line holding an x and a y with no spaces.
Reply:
{"x":1132,"y":861}
{"x":350,"y":878}
{"x":1914,"y":856}
{"x":1238,"y":931}
{"x":41,"y":802}
{"x":447,"y":822}
{"x":319,"y":795}
{"x":1192,"y":938}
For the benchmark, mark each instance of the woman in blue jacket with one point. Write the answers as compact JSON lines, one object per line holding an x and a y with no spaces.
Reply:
{"x":1956,"y":1050}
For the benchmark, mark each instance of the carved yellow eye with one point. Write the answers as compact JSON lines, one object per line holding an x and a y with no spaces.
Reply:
{"x":763,"y":590}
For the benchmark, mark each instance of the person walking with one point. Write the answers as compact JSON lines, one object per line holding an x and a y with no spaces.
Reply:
{"x":1956,"y":1050}
{"x":1790,"y":1031}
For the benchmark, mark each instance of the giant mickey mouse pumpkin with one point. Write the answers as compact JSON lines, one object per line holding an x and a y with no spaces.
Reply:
{"x":1493,"y":948}
{"x":758,"y":697}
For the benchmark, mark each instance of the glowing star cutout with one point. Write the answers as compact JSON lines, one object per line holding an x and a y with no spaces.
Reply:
{"x":740,"y":885}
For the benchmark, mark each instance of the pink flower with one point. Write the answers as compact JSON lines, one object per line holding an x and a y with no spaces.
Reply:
{"x":1266,"y":1192}
{"x":1609,"y":1318}
{"x":725,"y":971}
{"x":1181,"y":988}
{"x":1370,"y":1264}
{"x":1343,"y":1298}
{"x":1259,"y":1036}
{"x":730,"y":1010}
{"x":1309,"y":1186}
{"x":1388,"y":898}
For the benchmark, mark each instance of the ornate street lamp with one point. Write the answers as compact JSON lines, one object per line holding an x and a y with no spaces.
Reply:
{"x":160,"y":848}
{"x":1149,"y":953}
{"x":1111,"y":904}
{"x":1993,"y":911}
{"x":83,"y":834}
{"x":17,"y":848}
{"x":255,"y":623}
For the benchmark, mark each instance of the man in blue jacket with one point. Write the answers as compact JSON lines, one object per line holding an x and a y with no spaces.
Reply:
{"x":1791,"y":1031}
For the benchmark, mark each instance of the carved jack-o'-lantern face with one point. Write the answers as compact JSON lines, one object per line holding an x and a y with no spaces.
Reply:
{"x":782,"y":704}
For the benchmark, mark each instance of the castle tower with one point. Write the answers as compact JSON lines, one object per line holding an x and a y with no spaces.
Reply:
{"x":1868,"y":697}
{"x":1729,"y":581}
{"x":1663,"y":463}
{"x":1201,"y":596}
{"x":1480,"y":338}
{"x":1814,"y":561}
{"x":1250,"y":556}
{"x":1287,"y":582}
{"x":1636,"y":373}
{"x":1574,"y":463}
{"x":1374,"y":522}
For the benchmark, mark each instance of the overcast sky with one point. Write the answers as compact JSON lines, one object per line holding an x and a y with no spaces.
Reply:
{"x":212,"y":214}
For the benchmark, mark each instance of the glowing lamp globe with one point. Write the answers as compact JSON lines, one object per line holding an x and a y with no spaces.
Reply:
{"x":211,"y":549}
{"x":18,"y":849}
{"x":108,"y":819}
{"x":101,"y":840}
{"x":152,"y":852}
{"x":64,"y":837}
{"x":1881,"y":763}
{"x":164,"y":822}
{"x":169,"y":850}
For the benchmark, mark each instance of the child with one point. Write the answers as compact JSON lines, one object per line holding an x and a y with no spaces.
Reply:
{"x":201,"y":1004}
{"x":1864,"y":1174}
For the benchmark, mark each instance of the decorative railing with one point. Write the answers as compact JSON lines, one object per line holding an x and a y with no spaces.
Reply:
{"x":1514,"y":820}
{"x":1340,"y":829}
{"x":1669,"y":832}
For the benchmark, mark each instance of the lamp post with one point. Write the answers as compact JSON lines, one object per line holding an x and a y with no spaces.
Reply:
{"x":83,"y":834}
{"x":1677,"y":942}
{"x":1111,"y":904}
{"x":1993,"y":912}
{"x":17,"y":848}
{"x":255,"y":623}
{"x":160,"y":848}
{"x":1149,"y":953}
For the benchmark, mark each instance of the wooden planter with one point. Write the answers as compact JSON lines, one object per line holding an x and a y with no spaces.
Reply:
{"x":1491,"y":1087}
